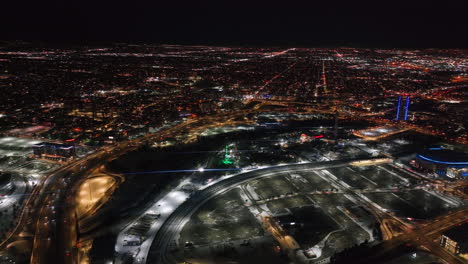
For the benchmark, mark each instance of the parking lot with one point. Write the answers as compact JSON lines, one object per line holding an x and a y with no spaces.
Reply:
{"x":280,"y":206}
{"x":272,"y":186}
{"x":342,"y":220}
{"x":416,"y":204}
{"x":223,"y":218}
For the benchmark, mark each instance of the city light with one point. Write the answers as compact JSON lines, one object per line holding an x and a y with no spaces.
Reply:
{"x":234,"y":153}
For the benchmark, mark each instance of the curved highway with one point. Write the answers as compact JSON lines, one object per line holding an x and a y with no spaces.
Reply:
{"x":156,"y":249}
{"x":164,"y":237}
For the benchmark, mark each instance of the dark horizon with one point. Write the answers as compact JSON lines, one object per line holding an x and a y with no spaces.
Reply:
{"x":285,"y":133}
{"x":101,"y":43}
{"x":385,"y":25}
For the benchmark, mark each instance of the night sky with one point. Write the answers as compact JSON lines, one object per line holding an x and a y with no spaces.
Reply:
{"x":291,"y":23}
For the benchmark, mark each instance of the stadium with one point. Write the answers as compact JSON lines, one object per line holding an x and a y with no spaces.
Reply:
{"x":444,"y":162}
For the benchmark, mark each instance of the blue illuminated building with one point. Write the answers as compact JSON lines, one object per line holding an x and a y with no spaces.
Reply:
{"x":403,"y":111}
{"x":398,"y":108}
{"x":406,"y":107}
{"x":444,"y":162}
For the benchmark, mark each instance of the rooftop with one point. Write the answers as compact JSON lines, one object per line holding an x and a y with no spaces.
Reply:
{"x":444,"y":156}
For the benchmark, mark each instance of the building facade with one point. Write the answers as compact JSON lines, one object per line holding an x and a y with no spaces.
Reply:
{"x":54,"y":151}
{"x":455,"y":240}
{"x":444,"y":162}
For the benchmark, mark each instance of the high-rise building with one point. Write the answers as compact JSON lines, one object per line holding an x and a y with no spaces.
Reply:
{"x":402,"y":109}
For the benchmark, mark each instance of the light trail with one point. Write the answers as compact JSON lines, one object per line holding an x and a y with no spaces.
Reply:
{"x":24,"y":194}
{"x":175,"y":171}
{"x":275,"y":77}
{"x":216,"y":151}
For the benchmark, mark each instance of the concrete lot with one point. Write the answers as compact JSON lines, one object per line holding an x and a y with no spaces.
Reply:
{"x":224,"y":218}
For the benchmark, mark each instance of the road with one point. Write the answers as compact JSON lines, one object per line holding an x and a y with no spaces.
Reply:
{"x":156,"y":249}
{"x":39,"y":214}
{"x":52,"y":225}
{"x":423,"y":235}
{"x":159,"y":243}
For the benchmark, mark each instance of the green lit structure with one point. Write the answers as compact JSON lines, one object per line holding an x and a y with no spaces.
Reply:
{"x":227,"y":158}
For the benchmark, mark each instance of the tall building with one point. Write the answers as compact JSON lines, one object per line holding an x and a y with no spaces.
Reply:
{"x":402,"y":108}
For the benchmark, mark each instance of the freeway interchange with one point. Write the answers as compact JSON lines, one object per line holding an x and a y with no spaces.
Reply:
{"x":162,"y":238}
{"x":50,"y":210}
{"x":165,"y":235}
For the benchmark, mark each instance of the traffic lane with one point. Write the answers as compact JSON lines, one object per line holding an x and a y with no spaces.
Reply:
{"x":177,"y":219}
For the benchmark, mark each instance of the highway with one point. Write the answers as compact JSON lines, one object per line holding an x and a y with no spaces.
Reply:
{"x":158,"y":250}
{"x":50,"y":226}
{"x":56,"y":233}
{"x":37,"y":211}
{"x":423,"y":235}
